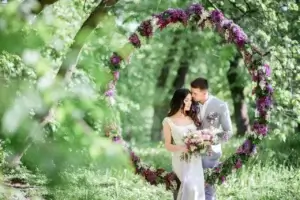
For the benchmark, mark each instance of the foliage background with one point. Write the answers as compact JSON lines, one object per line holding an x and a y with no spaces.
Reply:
{"x":69,"y":157}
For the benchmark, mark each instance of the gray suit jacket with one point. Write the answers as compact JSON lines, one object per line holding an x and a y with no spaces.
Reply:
{"x":215,"y":113}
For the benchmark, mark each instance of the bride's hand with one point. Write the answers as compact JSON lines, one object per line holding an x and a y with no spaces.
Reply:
{"x":183,"y":149}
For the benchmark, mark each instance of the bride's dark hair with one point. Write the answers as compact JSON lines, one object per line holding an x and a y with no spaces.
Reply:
{"x":177,"y":103}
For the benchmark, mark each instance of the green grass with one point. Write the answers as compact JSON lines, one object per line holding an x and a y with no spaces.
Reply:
{"x":110,"y":185}
{"x":269,"y":176}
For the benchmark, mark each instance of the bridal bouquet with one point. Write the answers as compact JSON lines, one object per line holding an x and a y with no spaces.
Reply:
{"x":195,"y":145}
{"x":212,"y":132}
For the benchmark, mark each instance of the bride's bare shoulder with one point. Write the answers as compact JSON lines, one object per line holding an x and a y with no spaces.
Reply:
{"x":166,"y":120}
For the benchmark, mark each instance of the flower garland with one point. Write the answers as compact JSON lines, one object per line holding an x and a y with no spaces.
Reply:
{"x":260,"y":72}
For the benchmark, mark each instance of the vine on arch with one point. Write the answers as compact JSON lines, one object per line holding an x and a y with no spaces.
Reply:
{"x":253,"y":58}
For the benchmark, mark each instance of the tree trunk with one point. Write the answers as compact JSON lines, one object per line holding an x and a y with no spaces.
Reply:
{"x":70,"y":62}
{"x":181,"y":74}
{"x":163,"y":107}
{"x":237,"y":93}
{"x":159,"y":108}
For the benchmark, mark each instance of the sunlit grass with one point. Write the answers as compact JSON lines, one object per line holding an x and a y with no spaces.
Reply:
{"x":259,"y":181}
{"x":264,"y":178}
{"x":109,"y":185}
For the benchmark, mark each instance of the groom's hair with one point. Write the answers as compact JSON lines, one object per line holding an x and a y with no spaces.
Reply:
{"x":200,"y":83}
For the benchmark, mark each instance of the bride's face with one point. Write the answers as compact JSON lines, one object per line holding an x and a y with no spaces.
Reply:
{"x":187,"y":102}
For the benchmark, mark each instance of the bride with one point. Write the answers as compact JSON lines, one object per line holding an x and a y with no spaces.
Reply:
{"x":179,"y":122}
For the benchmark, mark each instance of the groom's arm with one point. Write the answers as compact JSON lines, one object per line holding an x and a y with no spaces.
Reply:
{"x":225,"y":122}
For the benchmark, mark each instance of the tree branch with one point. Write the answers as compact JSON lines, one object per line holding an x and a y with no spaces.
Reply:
{"x":237,"y":7}
{"x":244,"y":13}
{"x":213,"y":5}
{"x":70,"y":62}
{"x":84,"y":32}
{"x":247,"y":4}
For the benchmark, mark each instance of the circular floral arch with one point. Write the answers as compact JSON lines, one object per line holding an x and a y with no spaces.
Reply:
{"x":253,"y":59}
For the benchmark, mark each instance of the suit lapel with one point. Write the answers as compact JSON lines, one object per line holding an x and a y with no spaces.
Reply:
{"x":203,"y":109}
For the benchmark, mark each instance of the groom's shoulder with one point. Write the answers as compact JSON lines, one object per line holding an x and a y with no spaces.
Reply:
{"x":217,"y":100}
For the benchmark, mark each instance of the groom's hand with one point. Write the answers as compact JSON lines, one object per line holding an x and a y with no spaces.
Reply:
{"x":207,"y":137}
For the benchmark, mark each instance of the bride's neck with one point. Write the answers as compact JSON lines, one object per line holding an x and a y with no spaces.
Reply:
{"x":180,"y":113}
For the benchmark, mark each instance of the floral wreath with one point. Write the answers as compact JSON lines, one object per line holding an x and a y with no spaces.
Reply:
{"x":253,"y":59}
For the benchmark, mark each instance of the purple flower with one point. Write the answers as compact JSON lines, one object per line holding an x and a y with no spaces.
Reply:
{"x":182,"y":16}
{"x":261,"y":129}
{"x":246,"y":147}
{"x":217,"y":16}
{"x":171,"y":16}
{"x":218,"y":167}
{"x":263,"y":103}
{"x":196,"y":9}
{"x":116,"y":139}
{"x":134,"y":158}
{"x":134,"y":40}
{"x":235,"y":28}
{"x":239,"y":37}
{"x":267,"y":70}
{"x":223,"y":179}
{"x":115,"y":59}
{"x":110,"y":93}
{"x":169,"y":178}
{"x":261,"y":73}
{"x":238,"y":164}
{"x":146,"y":29}
{"x":240,"y":40}
{"x":226,"y":23}
{"x":150,"y":176}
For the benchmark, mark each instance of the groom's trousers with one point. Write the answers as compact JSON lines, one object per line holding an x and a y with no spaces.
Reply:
{"x":210,"y":193}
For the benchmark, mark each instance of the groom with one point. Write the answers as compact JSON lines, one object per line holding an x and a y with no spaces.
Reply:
{"x":212,"y":112}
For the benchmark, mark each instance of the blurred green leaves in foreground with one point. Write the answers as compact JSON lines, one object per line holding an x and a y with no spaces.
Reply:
{"x":54,"y":124}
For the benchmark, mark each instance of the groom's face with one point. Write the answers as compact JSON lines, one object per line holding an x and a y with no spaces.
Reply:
{"x":199,"y":95}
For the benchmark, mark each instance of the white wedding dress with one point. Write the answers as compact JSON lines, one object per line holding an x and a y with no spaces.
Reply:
{"x":190,"y":173}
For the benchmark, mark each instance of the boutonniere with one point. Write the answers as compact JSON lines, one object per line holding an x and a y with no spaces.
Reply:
{"x":212,"y":117}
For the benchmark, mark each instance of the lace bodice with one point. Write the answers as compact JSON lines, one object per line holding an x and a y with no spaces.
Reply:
{"x":179,"y":131}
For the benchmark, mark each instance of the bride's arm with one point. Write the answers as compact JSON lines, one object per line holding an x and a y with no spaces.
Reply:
{"x":168,"y":140}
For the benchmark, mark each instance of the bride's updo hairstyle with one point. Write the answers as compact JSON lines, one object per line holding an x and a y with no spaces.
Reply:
{"x":177,"y":103}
